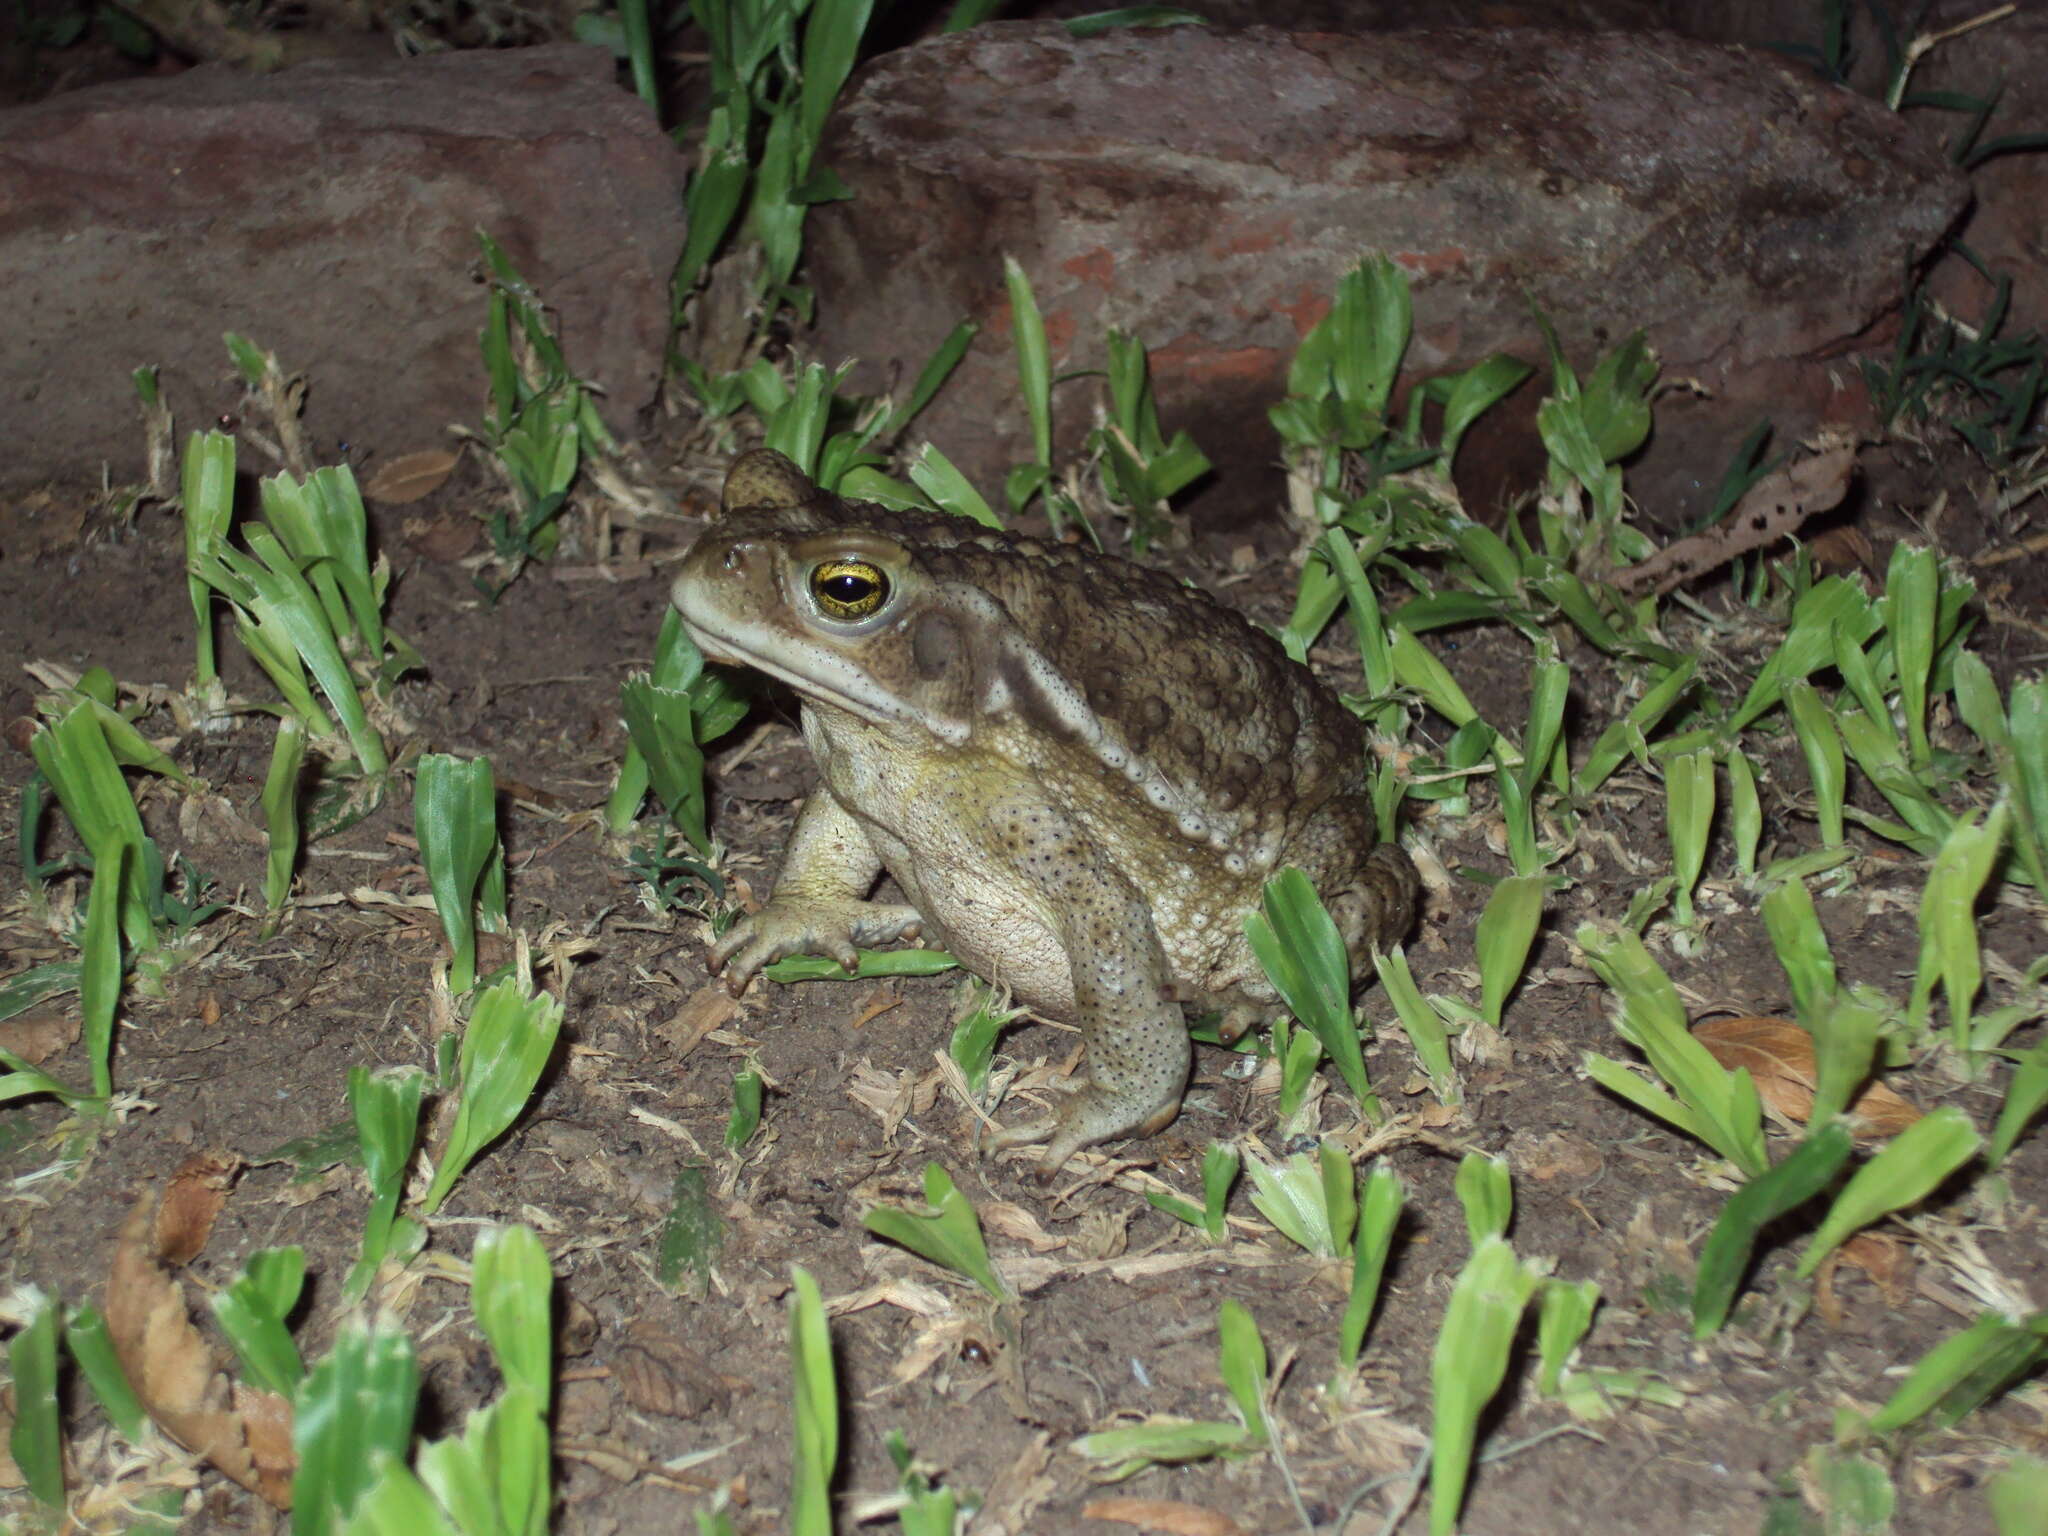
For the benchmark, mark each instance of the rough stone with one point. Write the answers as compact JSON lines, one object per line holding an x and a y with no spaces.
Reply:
{"x":329,"y":212}
{"x":1206,"y":191}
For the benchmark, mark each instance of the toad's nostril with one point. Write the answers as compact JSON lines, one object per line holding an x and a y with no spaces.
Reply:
{"x":735,"y":557}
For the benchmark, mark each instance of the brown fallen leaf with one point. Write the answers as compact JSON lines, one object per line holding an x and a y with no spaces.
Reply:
{"x":706,"y":1009}
{"x":444,"y":538}
{"x":197,"y":1191}
{"x":1779,"y":1055}
{"x":1167,"y":1515}
{"x":411,"y":476}
{"x":174,"y":1372}
{"x":1770,"y":509}
{"x":39,"y":1034}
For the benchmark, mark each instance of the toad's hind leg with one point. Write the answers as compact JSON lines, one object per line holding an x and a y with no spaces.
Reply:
{"x":1137,"y":1038}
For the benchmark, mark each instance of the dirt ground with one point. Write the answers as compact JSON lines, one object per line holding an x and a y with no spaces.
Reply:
{"x":665,"y":1397}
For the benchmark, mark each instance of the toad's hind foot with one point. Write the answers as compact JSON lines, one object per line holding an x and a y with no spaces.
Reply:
{"x":1084,"y":1118}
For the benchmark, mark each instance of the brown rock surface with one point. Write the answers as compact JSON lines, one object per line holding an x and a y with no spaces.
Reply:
{"x":329,"y":212}
{"x":1206,"y":190}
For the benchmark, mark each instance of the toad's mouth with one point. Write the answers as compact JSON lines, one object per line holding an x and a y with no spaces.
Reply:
{"x":830,"y":680}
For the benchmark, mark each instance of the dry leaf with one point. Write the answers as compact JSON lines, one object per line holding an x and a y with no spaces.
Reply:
{"x":39,"y":1034}
{"x":411,"y":476}
{"x":1842,"y":549}
{"x":197,"y":1192}
{"x":708,"y":1008}
{"x":1559,"y":1155}
{"x":658,"y":1373}
{"x":444,"y":538}
{"x":1770,"y":509}
{"x":1779,"y":1055}
{"x":174,"y":1373}
{"x":1163,"y":1515}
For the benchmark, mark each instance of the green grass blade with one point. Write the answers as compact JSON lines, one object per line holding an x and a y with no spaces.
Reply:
{"x":1291,"y":1196}
{"x":1745,"y":812}
{"x":1297,"y":943}
{"x":1725,"y":1259}
{"x":386,"y":1109}
{"x":455,"y":817}
{"x":1507,"y":929}
{"x":946,"y":1231}
{"x":1379,"y":1213}
{"x":745,"y":1118}
{"x":208,"y":481}
{"x":1242,"y":1362}
{"x":252,"y":1312}
{"x":1821,"y":744}
{"x":1722,"y":1106}
{"x":510,"y":1295}
{"x":505,"y":1048}
{"x":1566,"y":1312}
{"x":2024,"y":1097}
{"x":1911,"y":1166}
{"x":36,"y":1438}
{"x":92,"y":1346}
{"x":1486,"y":1192}
{"x":1964,"y":1371}
{"x":354,"y":1408}
{"x":1034,"y":360}
{"x":1468,"y":1366}
{"x":949,"y":489}
{"x":281,"y":812}
{"x":1948,"y":919}
{"x":815,"y":1447}
{"x":1422,"y":1024}
{"x":1912,"y":591}
{"x":99,"y":963}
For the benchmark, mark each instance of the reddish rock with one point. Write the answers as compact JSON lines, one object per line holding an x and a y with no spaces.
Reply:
{"x":329,"y":212}
{"x":1206,"y":190}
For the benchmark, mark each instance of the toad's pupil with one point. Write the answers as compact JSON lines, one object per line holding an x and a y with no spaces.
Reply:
{"x":848,"y":589}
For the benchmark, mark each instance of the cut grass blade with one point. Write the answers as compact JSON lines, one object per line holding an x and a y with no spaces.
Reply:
{"x":92,"y":1346}
{"x":252,"y":1312}
{"x":1242,"y":1363}
{"x":1379,"y":1213}
{"x":281,"y":817}
{"x":1423,"y":1024}
{"x":1689,"y":818}
{"x":1909,"y":1169}
{"x":1725,"y":1259}
{"x":1312,"y":1203}
{"x":386,"y":1107}
{"x":1965,"y":1371}
{"x":1469,"y":1364}
{"x":1949,"y":950}
{"x":2024,"y":1098}
{"x":1297,"y":944}
{"x":1716,"y":1106}
{"x":1486,"y":1192}
{"x":947,"y":1231}
{"x":1220,"y":1166}
{"x":36,"y":1438}
{"x":505,"y":1048}
{"x":815,"y":1446}
{"x":353,"y":1412}
{"x":1507,"y":929}
{"x":455,"y":818}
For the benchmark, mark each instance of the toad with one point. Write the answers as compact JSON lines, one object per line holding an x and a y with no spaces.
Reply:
{"x":1079,"y":772}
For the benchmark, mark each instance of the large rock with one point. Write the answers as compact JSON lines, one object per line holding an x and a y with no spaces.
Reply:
{"x":330,"y":213}
{"x":1206,"y":191}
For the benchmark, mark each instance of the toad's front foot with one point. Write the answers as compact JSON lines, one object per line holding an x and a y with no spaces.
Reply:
{"x":803,"y":926}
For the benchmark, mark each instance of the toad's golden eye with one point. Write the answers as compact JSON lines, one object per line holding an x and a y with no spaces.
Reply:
{"x":849,"y":589}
